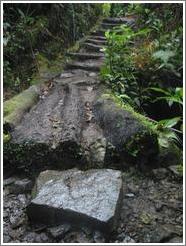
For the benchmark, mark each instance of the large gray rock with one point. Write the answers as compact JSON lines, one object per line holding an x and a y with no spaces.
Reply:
{"x":92,"y":198}
{"x":126,"y":134}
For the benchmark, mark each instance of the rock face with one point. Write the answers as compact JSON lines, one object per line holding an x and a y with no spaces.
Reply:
{"x":92,"y":197}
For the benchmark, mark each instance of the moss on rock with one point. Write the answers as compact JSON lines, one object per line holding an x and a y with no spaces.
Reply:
{"x":15,"y":108}
{"x":120,"y":104}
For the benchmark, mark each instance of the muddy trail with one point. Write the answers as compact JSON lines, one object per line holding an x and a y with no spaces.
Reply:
{"x":75,"y":124}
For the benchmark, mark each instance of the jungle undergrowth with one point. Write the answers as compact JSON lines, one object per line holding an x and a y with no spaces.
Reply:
{"x":143,"y":67}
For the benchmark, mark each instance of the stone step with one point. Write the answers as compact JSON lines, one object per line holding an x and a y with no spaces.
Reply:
{"x":92,"y":198}
{"x":119,"y":21}
{"x":98,"y":37}
{"x":106,"y":25}
{"x":85,"y":56}
{"x":73,"y":73}
{"x":90,"y":65}
{"x":96,"y":41}
{"x":93,"y":47}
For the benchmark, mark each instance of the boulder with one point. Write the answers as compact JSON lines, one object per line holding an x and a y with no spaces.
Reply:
{"x":90,"y":198}
{"x":128,"y":134}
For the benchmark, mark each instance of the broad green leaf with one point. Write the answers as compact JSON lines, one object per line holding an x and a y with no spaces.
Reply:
{"x":159,"y":90}
{"x":124,"y":96}
{"x":169,"y":99}
{"x":167,"y":123}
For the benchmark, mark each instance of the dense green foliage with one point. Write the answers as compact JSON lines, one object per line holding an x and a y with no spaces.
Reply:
{"x":38,"y":33}
{"x":144,"y":64}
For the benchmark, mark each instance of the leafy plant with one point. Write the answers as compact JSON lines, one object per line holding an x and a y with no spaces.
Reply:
{"x":150,"y":57}
{"x":119,"y":70}
{"x":168,"y":123}
{"x":171,"y":95}
{"x":166,"y":135}
{"x":118,"y":9}
{"x":165,"y":127}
